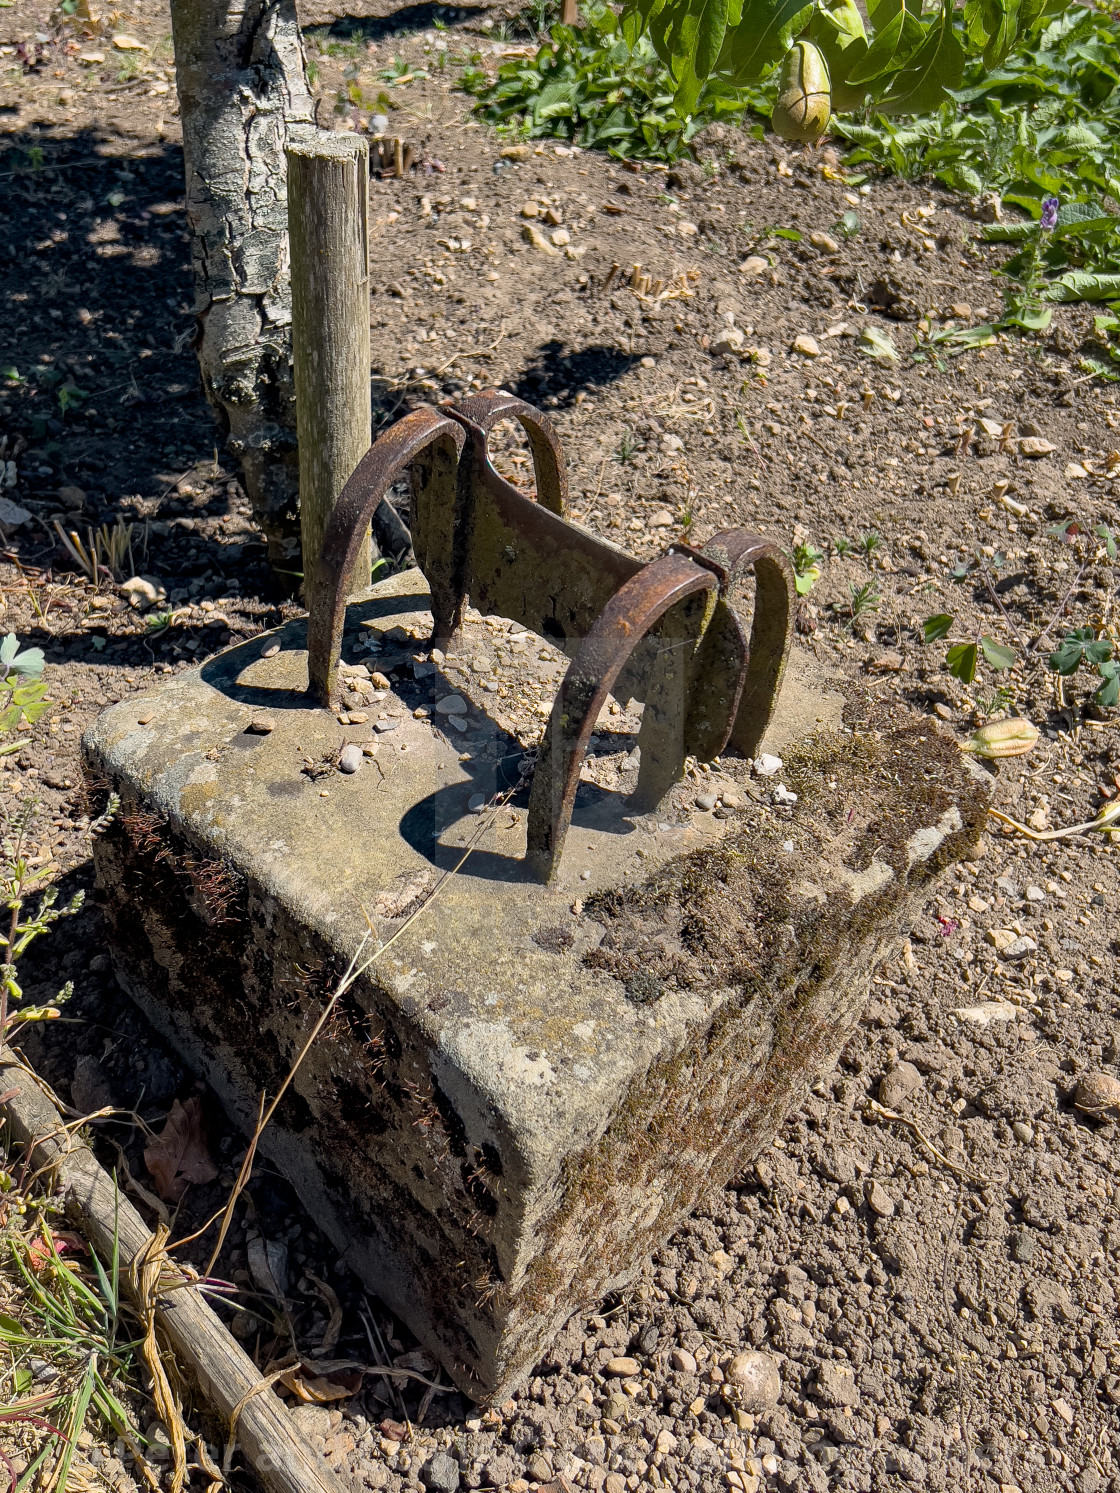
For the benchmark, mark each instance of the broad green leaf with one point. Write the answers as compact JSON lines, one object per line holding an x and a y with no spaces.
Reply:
{"x":1083,"y":285}
{"x":792,"y":234}
{"x":839,"y":32}
{"x":1030,"y":318}
{"x":764,"y":35}
{"x":1109,"y":692}
{"x":936,"y":627}
{"x":961,"y":662}
{"x":877,"y":345}
{"x":1068,"y":655}
{"x":10,"y":1328}
{"x":998,"y":655}
{"x":891,"y":49}
{"x":937,"y":65}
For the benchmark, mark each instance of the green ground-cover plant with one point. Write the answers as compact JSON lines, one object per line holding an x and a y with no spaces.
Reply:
{"x":597,"y":88}
{"x":1094,"y":647}
{"x":1020,"y":102}
{"x":70,"y":1319}
{"x":22,"y":691}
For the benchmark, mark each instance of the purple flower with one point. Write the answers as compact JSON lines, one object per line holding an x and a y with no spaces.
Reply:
{"x":1050,"y":213}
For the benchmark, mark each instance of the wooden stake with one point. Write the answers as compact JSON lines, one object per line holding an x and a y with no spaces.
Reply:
{"x":328,"y":195}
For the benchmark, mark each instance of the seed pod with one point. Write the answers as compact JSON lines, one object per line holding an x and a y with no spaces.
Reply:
{"x":1009,"y":738}
{"x":804,"y":94}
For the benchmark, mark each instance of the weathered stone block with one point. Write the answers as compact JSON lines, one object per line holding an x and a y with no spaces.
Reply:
{"x":517,"y":1101}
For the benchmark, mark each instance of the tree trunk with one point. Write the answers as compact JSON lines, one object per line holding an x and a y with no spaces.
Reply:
{"x":243,"y":93}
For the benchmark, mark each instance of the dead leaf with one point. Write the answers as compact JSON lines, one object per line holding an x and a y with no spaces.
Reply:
{"x":178,"y":1155}
{"x":319,"y":1390}
{"x":334,"y":1326}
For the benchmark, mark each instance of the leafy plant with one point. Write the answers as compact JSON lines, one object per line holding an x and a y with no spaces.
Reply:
{"x":18,"y":879}
{"x":597,"y":86}
{"x":900,"y":60}
{"x":1043,"y":123}
{"x":22,"y":691}
{"x":841,"y":547}
{"x":806,"y":567}
{"x":963,"y":659}
{"x":862,"y":599}
{"x":869,"y":543}
{"x":1081,"y":645}
{"x":73,"y":1320}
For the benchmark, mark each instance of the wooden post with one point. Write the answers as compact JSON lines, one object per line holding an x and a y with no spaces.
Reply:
{"x":328,"y":195}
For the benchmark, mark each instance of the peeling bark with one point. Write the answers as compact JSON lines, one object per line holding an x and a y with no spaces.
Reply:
{"x":243,"y":91}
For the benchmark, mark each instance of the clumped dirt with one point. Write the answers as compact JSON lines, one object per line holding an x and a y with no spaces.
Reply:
{"x":937,"y":1277}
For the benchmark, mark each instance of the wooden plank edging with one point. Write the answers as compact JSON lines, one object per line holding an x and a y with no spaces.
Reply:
{"x":204,"y":1348}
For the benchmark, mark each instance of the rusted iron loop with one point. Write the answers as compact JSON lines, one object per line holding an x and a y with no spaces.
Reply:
{"x":481,"y":412}
{"x":379,"y":468}
{"x":738,"y":551}
{"x":626,"y":619}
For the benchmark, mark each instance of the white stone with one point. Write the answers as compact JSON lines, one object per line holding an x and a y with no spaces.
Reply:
{"x":12,"y":516}
{"x":730,"y":340}
{"x":766,"y":765}
{"x":350,"y":758}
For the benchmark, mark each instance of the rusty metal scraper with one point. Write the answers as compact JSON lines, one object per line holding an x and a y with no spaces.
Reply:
{"x":669,"y":633}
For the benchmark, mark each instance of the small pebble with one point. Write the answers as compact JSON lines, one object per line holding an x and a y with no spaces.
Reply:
{"x":379,"y":680}
{"x":1023,"y":1132}
{"x":383,"y":727}
{"x":1024,"y":1242}
{"x":261,"y":725}
{"x":623,"y":1368}
{"x":880,"y":1201}
{"x":758,"y":1380}
{"x":898,"y":1083}
{"x":766,"y":765}
{"x":271,"y":651}
{"x":682,"y":1361}
{"x":731,"y":799}
{"x":350,"y":758}
{"x":585,"y":876}
{"x":476,"y":803}
{"x":1035,"y":894}
{"x":706,"y":801}
{"x":1020,"y":948}
{"x":451,"y":705}
{"x":1098,"y":1094}
{"x":807,"y":346}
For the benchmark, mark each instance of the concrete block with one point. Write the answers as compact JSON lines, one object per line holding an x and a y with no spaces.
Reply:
{"x":531,"y":1085}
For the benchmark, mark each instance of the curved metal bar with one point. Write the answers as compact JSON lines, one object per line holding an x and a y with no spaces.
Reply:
{"x":549,"y":467}
{"x":736,"y":552}
{"x":371,"y":479}
{"x":625,"y":620}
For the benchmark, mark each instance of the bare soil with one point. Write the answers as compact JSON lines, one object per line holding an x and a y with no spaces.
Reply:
{"x":939,"y":1290}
